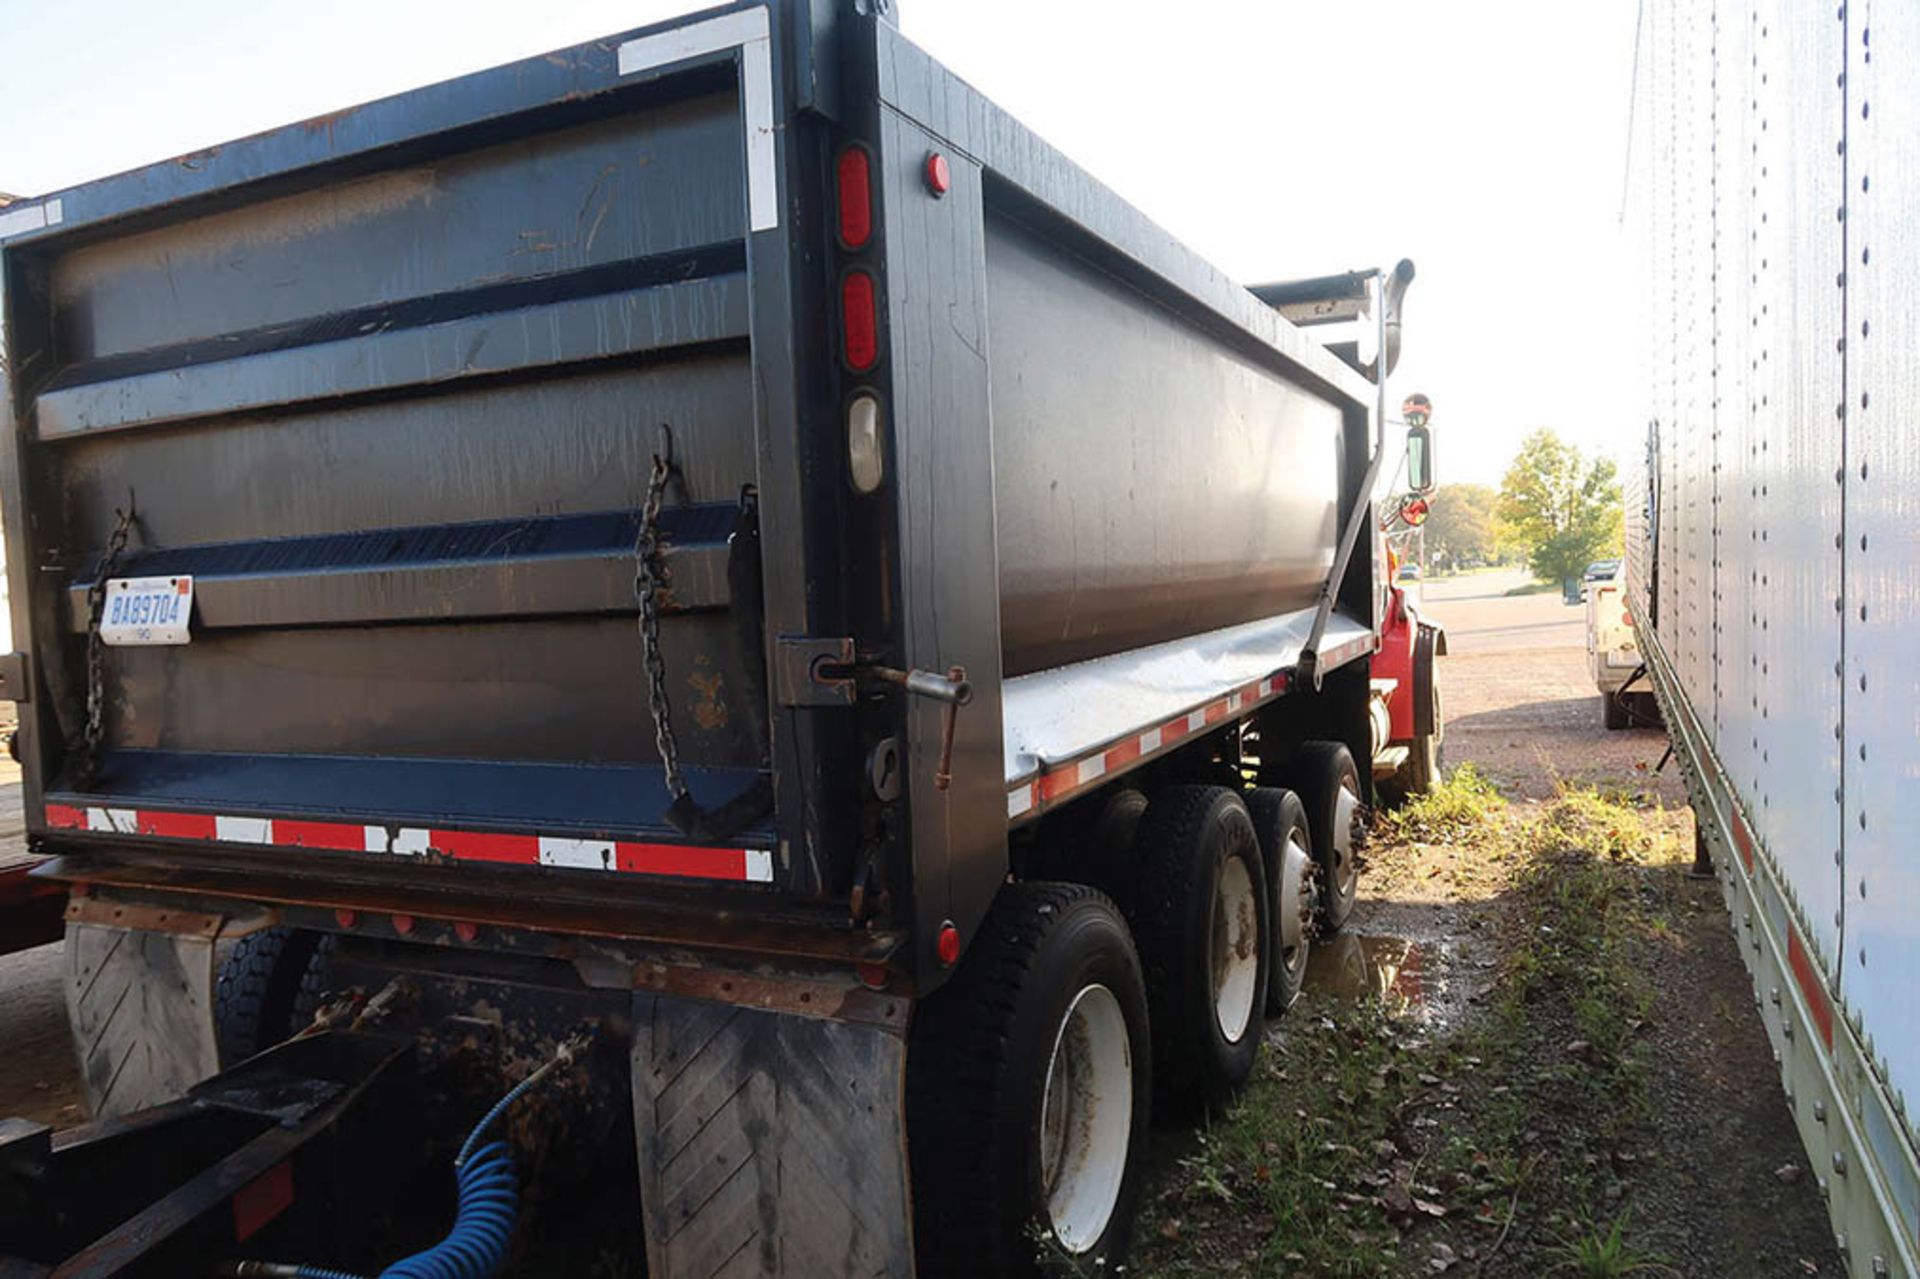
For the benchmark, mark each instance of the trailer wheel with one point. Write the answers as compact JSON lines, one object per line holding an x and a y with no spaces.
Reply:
{"x":1028,"y":1091}
{"x":1323,"y":775}
{"x":269,"y":987}
{"x":1286,"y":847}
{"x":1201,"y":914}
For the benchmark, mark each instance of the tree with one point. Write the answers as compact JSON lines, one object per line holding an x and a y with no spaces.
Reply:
{"x":1562,"y":507}
{"x":1461,"y":525}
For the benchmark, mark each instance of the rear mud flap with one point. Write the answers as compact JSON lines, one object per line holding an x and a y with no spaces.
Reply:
{"x":770,"y":1144}
{"x":141,"y":1007}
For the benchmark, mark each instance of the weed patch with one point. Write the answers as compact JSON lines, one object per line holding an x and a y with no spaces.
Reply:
{"x":1366,"y":1146}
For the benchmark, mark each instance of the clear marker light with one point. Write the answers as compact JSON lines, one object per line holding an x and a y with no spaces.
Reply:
{"x":864,"y":460}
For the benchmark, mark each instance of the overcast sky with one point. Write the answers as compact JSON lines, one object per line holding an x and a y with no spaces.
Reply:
{"x":1484,"y":139}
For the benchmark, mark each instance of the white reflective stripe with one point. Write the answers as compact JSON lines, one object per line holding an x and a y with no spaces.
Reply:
{"x":376,"y":839}
{"x":411,"y":842}
{"x":1150,"y":741}
{"x":759,"y":865}
{"x":1092,"y":769}
{"x":1019,"y":799}
{"x":120,"y":821}
{"x":582,"y":854}
{"x":31,"y":217}
{"x":747,"y":31}
{"x":243,"y":830}
{"x":1197,"y":720}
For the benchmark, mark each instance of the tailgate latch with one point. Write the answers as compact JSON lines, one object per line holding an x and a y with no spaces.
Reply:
{"x":813,"y":672}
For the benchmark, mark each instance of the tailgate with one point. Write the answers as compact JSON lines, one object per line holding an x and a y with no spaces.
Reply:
{"x":390,"y":398}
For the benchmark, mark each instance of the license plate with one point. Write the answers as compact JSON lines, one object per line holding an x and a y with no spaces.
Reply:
{"x":147,"y":610}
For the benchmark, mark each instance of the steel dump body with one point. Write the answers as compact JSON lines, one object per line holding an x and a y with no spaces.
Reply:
{"x":673,"y":528}
{"x":388,"y":386}
{"x":1773,"y":543}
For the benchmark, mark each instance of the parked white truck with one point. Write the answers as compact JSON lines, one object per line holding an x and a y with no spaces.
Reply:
{"x":1775,"y":186}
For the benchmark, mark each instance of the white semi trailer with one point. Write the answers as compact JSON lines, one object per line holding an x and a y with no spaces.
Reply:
{"x":1774,"y":549}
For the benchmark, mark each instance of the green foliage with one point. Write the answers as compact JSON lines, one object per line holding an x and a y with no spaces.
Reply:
{"x":1462,"y":528}
{"x":1605,"y":1256}
{"x":1563,"y":507}
{"x":1457,"y":809}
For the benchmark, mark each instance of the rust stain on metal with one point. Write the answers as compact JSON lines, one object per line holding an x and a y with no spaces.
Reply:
{"x":709,"y":711}
{"x":140,"y":917}
{"x":806,"y":998}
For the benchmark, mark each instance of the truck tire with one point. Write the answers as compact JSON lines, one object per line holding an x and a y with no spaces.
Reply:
{"x":269,"y":987}
{"x":1286,"y":848}
{"x":1613,"y":712}
{"x":1028,"y":1092}
{"x":1201,"y":916}
{"x":1323,"y":775}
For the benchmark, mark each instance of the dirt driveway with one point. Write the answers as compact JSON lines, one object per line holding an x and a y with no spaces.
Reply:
{"x":1518,"y":700}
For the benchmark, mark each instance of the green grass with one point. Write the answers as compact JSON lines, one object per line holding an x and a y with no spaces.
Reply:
{"x":1595,"y":1255}
{"x":1535,"y":588}
{"x":1362,"y":1141}
{"x":1459,"y":809}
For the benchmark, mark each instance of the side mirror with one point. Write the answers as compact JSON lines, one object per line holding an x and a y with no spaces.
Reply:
{"x":1419,"y":459}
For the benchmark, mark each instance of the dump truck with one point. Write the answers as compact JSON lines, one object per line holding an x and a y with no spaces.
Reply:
{"x":1774,"y":191}
{"x":710,"y":585}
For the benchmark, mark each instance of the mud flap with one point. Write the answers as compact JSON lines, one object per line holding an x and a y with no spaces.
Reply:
{"x":770,"y":1144}
{"x":141,"y":1007}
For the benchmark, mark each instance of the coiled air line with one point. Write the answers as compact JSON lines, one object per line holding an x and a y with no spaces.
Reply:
{"x":487,"y":1203}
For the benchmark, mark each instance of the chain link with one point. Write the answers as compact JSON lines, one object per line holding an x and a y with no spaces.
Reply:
{"x":97,"y":648}
{"x":649,"y":576}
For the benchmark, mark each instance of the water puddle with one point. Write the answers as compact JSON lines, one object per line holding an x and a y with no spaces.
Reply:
{"x":1360,"y":966}
{"x":1412,"y":975}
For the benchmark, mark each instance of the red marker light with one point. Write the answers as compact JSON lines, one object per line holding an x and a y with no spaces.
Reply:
{"x":859,"y":321}
{"x":403,"y":924}
{"x":346,"y":918}
{"x":872,"y":976}
{"x":948,"y":945}
{"x":856,"y":197}
{"x":939,"y":176}
{"x":466,"y":931}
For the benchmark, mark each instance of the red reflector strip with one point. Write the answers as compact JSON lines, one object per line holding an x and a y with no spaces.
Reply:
{"x":1060,"y":780}
{"x":480,"y":846}
{"x":330,"y":835}
{"x":1743,"y":839}
{"x":261,"y":1200}
{"x":1812,"y":989}
{"x":859,"y":321}
{"x":856,"y":197}
{"x":63,"y":817}
{"x":740,"y":865}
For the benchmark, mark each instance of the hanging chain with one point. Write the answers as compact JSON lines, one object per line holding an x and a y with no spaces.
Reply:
{"x":97,"y":647}
{"x":649,"y":576}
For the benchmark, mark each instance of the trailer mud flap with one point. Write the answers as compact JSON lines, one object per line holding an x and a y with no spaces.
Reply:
{"x":770,"y":1143}
{"x":141,"y":1007}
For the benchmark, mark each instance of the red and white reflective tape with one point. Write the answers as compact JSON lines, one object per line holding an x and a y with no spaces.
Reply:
{"x":1072,"y":776}
{"x":742,"y":865}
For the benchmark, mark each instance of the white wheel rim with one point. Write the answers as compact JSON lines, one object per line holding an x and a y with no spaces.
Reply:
{"x":1301,"y":860}
{"x":1235,"y":948}
{"x":1346,"y":870}
{"x":1086,"y":1119}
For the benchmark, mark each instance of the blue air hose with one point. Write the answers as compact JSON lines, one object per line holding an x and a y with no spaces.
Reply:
{"x":487,"y":1201}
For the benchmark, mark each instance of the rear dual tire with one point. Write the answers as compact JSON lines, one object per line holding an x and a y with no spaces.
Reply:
{"x":1202,"y":918}
{"x":1028,"y":1092}
{"x":1324,"y":776}
{"x":1286,"y":847}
